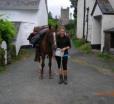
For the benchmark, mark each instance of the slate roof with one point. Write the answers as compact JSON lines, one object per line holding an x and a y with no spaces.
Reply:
{"x":19,"y":4}
{"x":105,"y":7}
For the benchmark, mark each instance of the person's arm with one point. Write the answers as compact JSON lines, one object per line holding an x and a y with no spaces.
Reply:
{"x":65,"y":48}
{"x":68,"y":45}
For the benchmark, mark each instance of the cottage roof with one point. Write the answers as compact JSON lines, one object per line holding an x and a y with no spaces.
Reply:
{"x":19,"y":4}
{"x":104,"y":6}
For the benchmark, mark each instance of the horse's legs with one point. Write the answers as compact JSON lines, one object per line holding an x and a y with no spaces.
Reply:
{"x":50,"y":64}
{"x":42,"y":66}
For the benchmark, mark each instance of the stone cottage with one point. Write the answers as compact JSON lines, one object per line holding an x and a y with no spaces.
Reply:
{"x":95,"y":23}
{"x":25,"y":14}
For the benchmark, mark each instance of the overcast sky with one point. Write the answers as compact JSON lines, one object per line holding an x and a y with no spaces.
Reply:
{"x":55,"y":6}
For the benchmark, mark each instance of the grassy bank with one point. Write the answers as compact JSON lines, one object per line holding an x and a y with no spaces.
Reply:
{"x":82,"y":45}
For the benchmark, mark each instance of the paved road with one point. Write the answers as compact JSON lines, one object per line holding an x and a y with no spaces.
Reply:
{"x":20,"y":84}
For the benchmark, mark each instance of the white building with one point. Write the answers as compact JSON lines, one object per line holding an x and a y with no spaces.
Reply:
{"x":98,"y":25}
{"x":26,"y":14}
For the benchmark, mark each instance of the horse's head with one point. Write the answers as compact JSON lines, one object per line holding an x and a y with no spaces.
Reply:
{"x":51,"y":33}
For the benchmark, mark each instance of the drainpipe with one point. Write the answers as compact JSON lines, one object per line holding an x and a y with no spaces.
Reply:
{"x":87,"y":23}
{"x":84,"y":19}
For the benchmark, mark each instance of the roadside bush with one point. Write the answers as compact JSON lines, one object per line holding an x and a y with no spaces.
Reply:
{"x":0,"y":39}
{"x":78,"y":42}
{"x":86,"y":48}
{"x":71,"y":28}
{"x":53,"y":22}
{"x":105,"y":56}
{"x":113,"y":70}
{"x":13,"y":51}
{"x":7,"y":31}
{"x":2,"y":60}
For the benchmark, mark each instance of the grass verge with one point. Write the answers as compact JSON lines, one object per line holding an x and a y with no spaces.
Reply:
{"x":23,"y":54}
{"x":2,"y":69}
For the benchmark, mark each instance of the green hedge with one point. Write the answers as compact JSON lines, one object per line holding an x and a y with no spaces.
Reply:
{"x":2,"y":60}
{"x":13,"y":51}
{"x":105,"y":56}
{"x":71,"y":28}
{"x":53,"y":22}
{"x":7,"y":31}
{"x":86,"y":48}
{"x":78,"y":42}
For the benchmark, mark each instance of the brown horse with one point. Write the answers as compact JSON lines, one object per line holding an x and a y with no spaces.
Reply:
{"x":45,"y":49}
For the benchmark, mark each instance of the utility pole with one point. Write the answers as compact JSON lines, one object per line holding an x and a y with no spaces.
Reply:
{"x":84,"y":19}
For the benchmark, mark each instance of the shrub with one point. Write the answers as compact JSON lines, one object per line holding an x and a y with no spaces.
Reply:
{"x":2,"y":68}
{"x":53,"y":22}
{"x":71,"y":28}
{"x":112,"y":69}
{"x":2,"y":59}
{"x":13,"y":51}
{"x":86,"y":48}
{"x":7,"y":31}
{"x":105,"y":56}
{"x":78,"y":42}
{"x":0,"y":39}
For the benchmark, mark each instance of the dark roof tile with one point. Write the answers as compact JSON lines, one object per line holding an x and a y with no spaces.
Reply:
{"x":19,"y":4}
{"x":105,"y":6}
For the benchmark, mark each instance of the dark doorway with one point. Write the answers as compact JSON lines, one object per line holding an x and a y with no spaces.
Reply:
{"x":112,"y":40}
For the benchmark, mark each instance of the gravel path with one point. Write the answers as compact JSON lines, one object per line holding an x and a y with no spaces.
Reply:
{"x":20,"y":84}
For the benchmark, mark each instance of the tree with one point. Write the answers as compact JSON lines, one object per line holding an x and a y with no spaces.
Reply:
{"x":74,"y":5}
{"x":50,"y":15}
{"x":53,"y":22}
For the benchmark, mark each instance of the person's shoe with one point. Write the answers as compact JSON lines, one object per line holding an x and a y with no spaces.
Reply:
{"x":60,"y":82}
{"x":60,"y":79}
{"x":65,"y":82}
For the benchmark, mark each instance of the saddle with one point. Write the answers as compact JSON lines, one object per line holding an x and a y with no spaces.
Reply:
{"x":36,"y":37}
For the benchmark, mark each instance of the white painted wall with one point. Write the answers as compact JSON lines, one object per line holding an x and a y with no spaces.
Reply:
{"x":20,"y":15}
{"x":96,"y":31}
{"x":42,"y":14}
{"x":107,"y":23}
{"x":24,"y":31}
{"x":96,"y":27}
{"x":29,"y":19}
{"x":97,"y":11}
{"x":90,"y":4}
{"x":112,"y":3}
{"x":80,"y":18}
